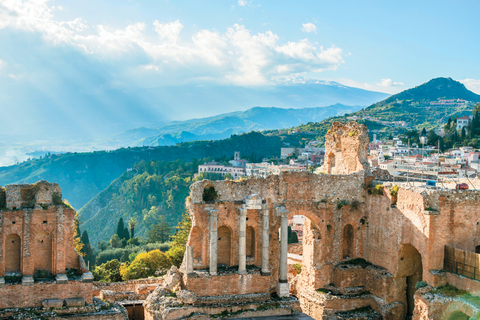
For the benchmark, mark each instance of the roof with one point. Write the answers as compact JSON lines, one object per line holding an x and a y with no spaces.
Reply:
{"x":464,"y":117}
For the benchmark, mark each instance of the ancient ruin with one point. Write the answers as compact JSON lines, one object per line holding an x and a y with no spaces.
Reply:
{"x":366,"y":249}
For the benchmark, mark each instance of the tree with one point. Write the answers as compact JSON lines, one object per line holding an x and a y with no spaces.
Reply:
{"x":108,"y":272}
{"x":76,"y":236}
{"x":115,"y":241}
{"x":87,"y":249}
{"x":159,"y":232}
{"x":182,"y":231}
{"x":292,"y":236}
{"x":131,"y":224}
{"x":151,"y":216}
{"x":145,"y":265}
{"x":120,"y":229}
{"x":126,"y":234}
{"x":424,"y":132}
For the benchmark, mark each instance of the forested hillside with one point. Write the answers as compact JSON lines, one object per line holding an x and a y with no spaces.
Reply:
{"x":83,"y":175}
{"x":150,"y":190}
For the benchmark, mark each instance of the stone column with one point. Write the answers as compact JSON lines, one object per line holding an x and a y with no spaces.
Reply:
{"x":283,"y":289}
{"x":242,"y":246}
{"x":213,"y":241}
{"x":265,"y":242}
{"x":189,"y":259}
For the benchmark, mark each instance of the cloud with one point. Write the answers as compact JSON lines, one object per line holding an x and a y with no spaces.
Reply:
{"x":309,"y":27}
{"x":472,"y":85}
{"x":236,"y":56}
{"x":2,"y":64}
{"x":389,"y":83}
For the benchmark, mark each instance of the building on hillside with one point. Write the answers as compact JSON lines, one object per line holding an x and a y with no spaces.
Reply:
{"x":237,"y":162}
{"x":237,"y":169}
{"x":265,"y":169}
{"x":462,"y":122}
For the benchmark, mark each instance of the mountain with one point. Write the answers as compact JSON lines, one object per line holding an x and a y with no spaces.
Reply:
{"x":83,"y":175}
{"x":224,"y":125}
{"x":412,"y":109}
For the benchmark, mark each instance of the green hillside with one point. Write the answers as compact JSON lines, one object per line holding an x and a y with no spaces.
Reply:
{"x":150,"y":189}
{"x":83,"y":175}
{"x":409,"y":110}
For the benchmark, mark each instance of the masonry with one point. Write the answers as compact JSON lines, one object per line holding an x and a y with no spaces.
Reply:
{"x":360,"y":248}
{"x":37,"y":248}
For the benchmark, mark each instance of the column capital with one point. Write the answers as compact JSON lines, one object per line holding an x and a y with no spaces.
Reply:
{"x":281,"y":211}
{"x":243,"y":211}
{"x":213,"y":213}
{"x":265,"y":210}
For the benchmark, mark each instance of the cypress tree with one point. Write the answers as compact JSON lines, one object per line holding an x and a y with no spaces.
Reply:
{"x":120,"y":229}
{"x":126,"y":234}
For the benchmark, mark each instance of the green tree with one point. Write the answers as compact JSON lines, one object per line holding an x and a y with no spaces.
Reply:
{"x":159,"y":232}
{"x":87,"y":249}
{"x":182,"y":231}
{"x":151,"y":216}
{"x":120,"y":229}
{"x":77,"y":241}
{"x":108,"y":272}
{"x":131,"y":224}
{"x":145,"y":265}
{"x":292,"y":236}
{"x":115,"y":241}
{"x":424,"y":132}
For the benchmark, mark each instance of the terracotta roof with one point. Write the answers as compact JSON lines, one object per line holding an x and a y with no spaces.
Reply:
{"x":465,"y":117}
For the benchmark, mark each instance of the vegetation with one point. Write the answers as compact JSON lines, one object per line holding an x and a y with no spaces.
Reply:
{"x":145,"y":265}
{"x":292,"y":236}
{"x":421,"y":284}
{"x":449,"y":291}
{"x":394,"y":190}
{"x":298,"y":267}
{"x":378,"y":190}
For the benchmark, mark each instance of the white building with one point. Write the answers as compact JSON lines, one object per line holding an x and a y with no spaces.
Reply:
{"x":462,"y":122}
{"x":236,"y":171}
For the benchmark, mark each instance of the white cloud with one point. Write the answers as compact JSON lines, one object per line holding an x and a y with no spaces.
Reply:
{"x":242,"y":3}
{"x":309,"y":27}
{"x":236,"y":56}
{"x":389,"y":83}
{"x":472,"y":85}
{"x":2,"y":64}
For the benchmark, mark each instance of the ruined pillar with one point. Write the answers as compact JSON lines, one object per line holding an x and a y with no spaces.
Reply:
{"x":189,"y":259}
{"x":265,"y":241}
{"x":283,"y":287}
{"x":242,"y":247}
{"x":213,"y":241}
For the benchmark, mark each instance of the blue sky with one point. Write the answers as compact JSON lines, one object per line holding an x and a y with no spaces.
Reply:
{"x":49,"y":48}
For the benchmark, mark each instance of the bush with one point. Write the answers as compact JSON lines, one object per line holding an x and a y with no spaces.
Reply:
{"x":449,"y":291}
{"x":298,"y":267}
{"x":209,"y":194}
{"x":378,"y":190}
{"x":420,"y":284}
{"x":394,"y":190}
{"x":175,"y":255}
{"x":108,"y":272}
{"x":145,"y":265}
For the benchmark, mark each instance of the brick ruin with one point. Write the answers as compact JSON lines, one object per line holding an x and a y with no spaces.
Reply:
{"x":234,"y":247}
{"x":37,"y":249}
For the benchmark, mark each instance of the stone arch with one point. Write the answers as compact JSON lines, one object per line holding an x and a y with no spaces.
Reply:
{"x":457,"y":310}
{"x":13,"y":253}
{"x":457,"y":315}
{"x":410,"y":268}
{"x":347,"y":241}
{"x":250,"y":240}
{"x":224,"y":245}
{"x":196,"y":240}
{"x":43,"y":252}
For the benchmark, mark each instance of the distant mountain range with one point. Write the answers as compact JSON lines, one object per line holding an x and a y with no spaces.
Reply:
{"x":224,"y":125}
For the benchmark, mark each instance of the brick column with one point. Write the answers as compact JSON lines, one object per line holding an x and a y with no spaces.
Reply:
{"x":242,"y":247}
{"x":265,"y":241}
{"x":213,"y":241}
{"x":283,"y":287}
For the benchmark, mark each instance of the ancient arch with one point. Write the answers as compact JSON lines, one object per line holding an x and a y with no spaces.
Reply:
{"x":43,"y":251}
{"x":224,"y":246}
{"x":457,"y":315}
{"x":410,"y":268}
{"x":13,"y":249}
{"x":347,"y":241}
{"x":458,"y":310}
{"x":250,"y":239}
{"x":196,"y":240}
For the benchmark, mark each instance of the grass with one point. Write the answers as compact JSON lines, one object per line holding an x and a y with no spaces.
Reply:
{"x":449,"y":291}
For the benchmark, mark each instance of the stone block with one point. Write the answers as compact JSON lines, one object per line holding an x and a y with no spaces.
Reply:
{"x":27,"y":281}
{"x":172,"y":279}
{"x":283,"y":289}
{"x":75,"y":302}
{"x":52,"y":303}
{"x":186,"y":296}
{"x":2,"y":282}
{"x":87,"y":277}
{"x":62,"y":279}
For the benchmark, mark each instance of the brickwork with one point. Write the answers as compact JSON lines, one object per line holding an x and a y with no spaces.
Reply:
{"x":36,"y":234}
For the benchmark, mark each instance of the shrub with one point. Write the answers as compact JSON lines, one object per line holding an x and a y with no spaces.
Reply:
{"x":175,"y":255}
{"x":342,"y":203}
{"x":145,"y":265}
{"x":108,"y":272}
{"x":420,"y":284}
{"x":209,"y":194}
{"x":378,"y":189}
{"x":394,"y":190}
{"x":449,"y":291}
{"x":298,"y":267}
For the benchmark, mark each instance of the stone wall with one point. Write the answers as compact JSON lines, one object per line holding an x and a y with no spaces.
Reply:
{"x":19,"y":296}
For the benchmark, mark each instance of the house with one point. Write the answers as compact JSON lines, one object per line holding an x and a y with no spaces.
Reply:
{"x":462,"y":122}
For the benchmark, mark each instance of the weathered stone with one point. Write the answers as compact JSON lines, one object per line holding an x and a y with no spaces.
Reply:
{"x":172,"y":278}
{"x":87,"y":277}
{"x":61,"y":279}
{"x":27,"y":281}
{"x":186,"y":296}
{"x":52,"y":303}
{"x":75,"y":302}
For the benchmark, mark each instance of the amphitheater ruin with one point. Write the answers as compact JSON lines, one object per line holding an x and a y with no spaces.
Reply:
{"x":372,"y":248}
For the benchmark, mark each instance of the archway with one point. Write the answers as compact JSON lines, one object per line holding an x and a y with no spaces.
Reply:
{"x":477,"y":249}
{"x":13,"y":249}
{"x":43,"y":252}
{"x":250,"y":239}
{"x":411,"y":269}
{"x":224,"y":245}
{"x":209,"y":193}
{"x":457,"y":315}
{"x":347,"y":244}
{"x":197,"y":243}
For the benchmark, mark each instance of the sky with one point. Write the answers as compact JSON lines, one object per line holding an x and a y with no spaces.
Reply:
{"x":52,"y":48}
